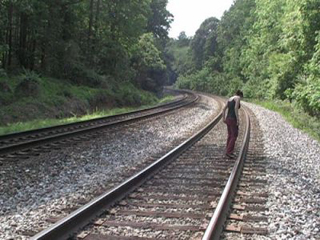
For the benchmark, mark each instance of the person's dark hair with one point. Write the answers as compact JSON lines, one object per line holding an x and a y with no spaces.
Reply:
{"x":239,"y":93}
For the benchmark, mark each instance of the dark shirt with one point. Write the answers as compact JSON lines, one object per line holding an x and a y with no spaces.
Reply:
{"x":231,"y":109}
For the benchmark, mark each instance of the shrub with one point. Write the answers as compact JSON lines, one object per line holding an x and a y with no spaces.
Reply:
{"x":3,"y":73}
{"x":183,"y":82}
{"x":80,"y":75}
{"x":29,"y":85}
{"x":307,"y":95}
{"x":101,"y":100}
{"x":4,"y":87}
{"x":217,"y":84}
{"x":234,"y":85}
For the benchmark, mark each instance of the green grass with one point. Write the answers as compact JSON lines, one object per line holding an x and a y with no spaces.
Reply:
{"x":166,"y":99}
{"x":295,"y":116}
{"x":29,"y":125}
{"x":60,"y":98}
{"x":59,"y":101}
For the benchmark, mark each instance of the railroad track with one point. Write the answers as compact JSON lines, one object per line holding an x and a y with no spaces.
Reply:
{"x":22,"y":145}
{"x":173,"y":198}
{"x":247,"y":213}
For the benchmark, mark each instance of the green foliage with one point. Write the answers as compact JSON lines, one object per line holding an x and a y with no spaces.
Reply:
{"x":269,"y":49}
{"x":148,"y":63}
{"x":60,"y":99}
{"x":3,"y":73}
{"x":80,"y":40}
{"x":180,"y":56}
{"x":34,"y":124}
{"x":147,"y":54}
{"x":282,"y":72}
{"x":160,"y":20}
{"x":307,"y":91}
{"x":207,"y":81}
{"x":256,"y":89}
{"x":218,"y":84}
{"x":307,"y":96}
{"x":204,"y":43}
{"x":80,"y":75}
{"x":29,"y":85}
{"x":183,"y":40}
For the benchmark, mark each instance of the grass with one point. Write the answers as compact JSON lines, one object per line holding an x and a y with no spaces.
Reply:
{"x":46,"y":99}
{"x":295,"y":116}
{"x":29,"y":125}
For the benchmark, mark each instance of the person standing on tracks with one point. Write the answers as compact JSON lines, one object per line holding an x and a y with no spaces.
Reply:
{"x":232,"y":121}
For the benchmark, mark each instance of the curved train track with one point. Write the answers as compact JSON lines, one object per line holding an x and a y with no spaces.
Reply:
{"x":22,"y":145}
{"x":186,"y":194}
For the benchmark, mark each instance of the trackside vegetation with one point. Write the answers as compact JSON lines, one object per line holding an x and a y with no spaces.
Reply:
{"x":269,"y":49}
{"x":48,"y":122}
{"x":31,"y":97}
{"x":67,"y":58}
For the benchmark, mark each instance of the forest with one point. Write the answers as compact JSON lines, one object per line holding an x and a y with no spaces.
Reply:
{"x":72,"y":38}
{"x":269,"y":49}
{"x":101,"y":51}
{"x":118,"y":53}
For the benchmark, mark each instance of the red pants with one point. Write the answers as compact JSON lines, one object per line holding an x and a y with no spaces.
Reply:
{"x":232,"y":134}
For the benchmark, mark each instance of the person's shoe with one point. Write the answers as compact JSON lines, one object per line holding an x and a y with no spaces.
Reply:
{"x":233,"y":155}
{"x":230,"y":156}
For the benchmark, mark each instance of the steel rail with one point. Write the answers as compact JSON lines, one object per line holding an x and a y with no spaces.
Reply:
{"x":59,"y":136}
{"x":66,"y":227}
{"x":217,"y":221}
{"x":52,"y":128}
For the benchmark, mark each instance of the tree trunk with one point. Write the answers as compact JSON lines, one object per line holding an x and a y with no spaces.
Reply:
{"x":23,"y":40}
{"x":97,"y":15}
{"x":10,"y":19}
{"x":33,"y":55}
{"x":90,"y":24}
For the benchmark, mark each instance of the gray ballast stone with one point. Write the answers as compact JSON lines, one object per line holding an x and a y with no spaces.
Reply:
{"x":294,"y":176}
{"x":35,"y":189}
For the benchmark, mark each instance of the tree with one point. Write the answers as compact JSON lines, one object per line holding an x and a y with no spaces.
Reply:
{"x":183,"y":39}
{"x":204,"y":42}
{"x":148,"y":64}
{"x":71,"y":38}
{"x":159,"y":21}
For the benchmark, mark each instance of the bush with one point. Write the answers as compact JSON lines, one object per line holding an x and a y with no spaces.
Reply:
{"x":29,"y":85}
{"x":307,"y":95}
{"x":66,"y":93}
{"x":4,"y":87}
{"x":3,"y":73}
{"x":80,"y":75}
{"x":183,"y":82}
{"x":218,"y":84}
{"x":255,"y":89}
{"x":128,"y":95}
{"x":101,"y":100}
{"x":234,"y":85}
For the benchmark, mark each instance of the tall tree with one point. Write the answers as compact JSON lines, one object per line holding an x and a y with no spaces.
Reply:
{"x":72,"y":38}
{"x":204,"y":42}
{"x":148,"y":63}
{"x":159,"y":20}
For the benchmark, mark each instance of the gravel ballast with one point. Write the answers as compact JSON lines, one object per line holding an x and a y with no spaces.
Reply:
{"x":32,"y":190}
{"x":294,"y":176}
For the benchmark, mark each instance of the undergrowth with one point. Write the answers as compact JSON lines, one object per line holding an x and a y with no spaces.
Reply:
{"x":30,"y":101}
{"x":35,"y":124}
